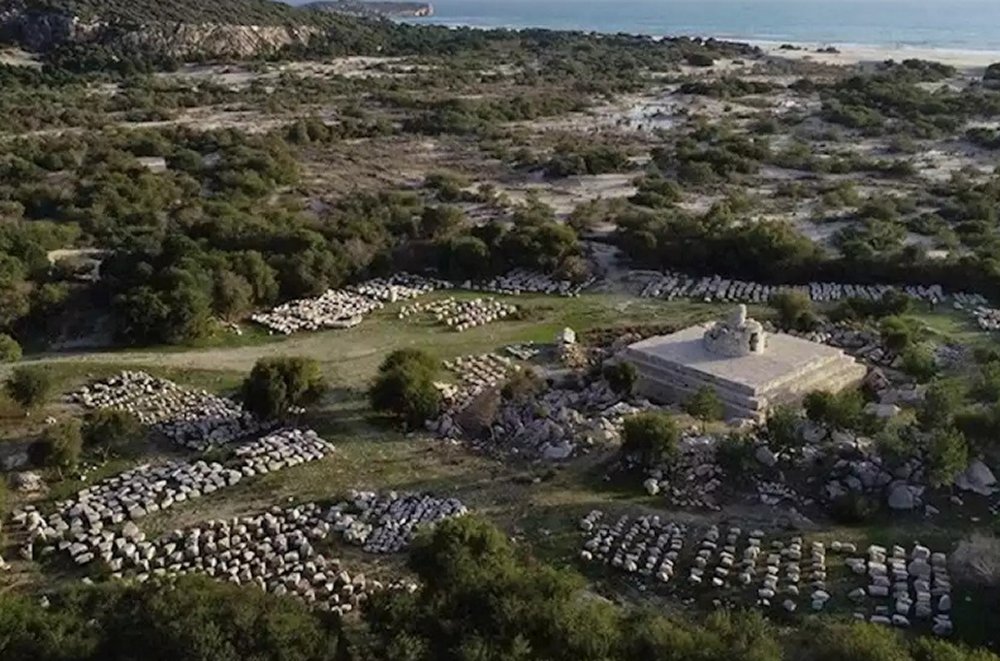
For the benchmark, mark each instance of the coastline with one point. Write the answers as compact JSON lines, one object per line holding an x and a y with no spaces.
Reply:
{"x":969,"y":61}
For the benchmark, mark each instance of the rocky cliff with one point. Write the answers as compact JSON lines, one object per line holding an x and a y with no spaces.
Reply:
{"x":44,"y":29}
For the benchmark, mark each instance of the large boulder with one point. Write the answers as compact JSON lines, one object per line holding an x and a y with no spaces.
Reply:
{"x":901,"y":497}
{"x":977,"y":478}
{"x":764,"y":455}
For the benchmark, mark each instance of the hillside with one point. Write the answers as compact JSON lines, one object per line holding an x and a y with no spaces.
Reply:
{"x":176,"y":28}
{"x":373,"y":8}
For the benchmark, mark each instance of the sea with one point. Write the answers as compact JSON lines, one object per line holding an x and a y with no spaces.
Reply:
{"x":923,"y":24}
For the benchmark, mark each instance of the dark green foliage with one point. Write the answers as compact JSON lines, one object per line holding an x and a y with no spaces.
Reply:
{"x":194,"y":620}
{"x":734,"y":455}
{"x":621,"y":376}
{"x":275,"y":385}
{"x":699,"y":59}
{"x":728,"y":87}
{"x":482,"y":599}
{"x":571,"y":159}
{"x":10,"y":350}
{"x":843,"y":410}
{"x":705,"y":405}
{"x":919,"y":362}
{"x":110,"y":429}
{"x":28,"y":387}
{"x":858,"y":641}
{"x":404,"y":387}
{"x":852,"y":509}
{"x":782,"y":429}
{"x":656,"y":192}
{"x":897,"y":333}
{"x":59,"y":446}
{"x":650,"y":437}
{"x":795,"y":310}
{"x":947,"y":456}
{"x":942,"y":402}
{"x":892,"y":304}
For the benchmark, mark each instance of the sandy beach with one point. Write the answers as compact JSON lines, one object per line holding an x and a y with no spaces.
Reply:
{"x":969,"y":61}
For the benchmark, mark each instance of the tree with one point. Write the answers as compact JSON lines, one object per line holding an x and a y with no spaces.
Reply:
{"x":276,"y":385}
{"x":947,"y":456}
{"x":59,"y":446}
{"x":942,"y":401}
{"x":857,"y":641}
{"x":621,"y":377}
{"x":843,"y":410}
{"x":480,"y":599}
{"x":652,"y":436}
{"x":405,"y":388}
{"x":783,"y":429}
{"x":795,"y":310}
{"x":111,"y":429}
{"x":897,"y":334}
{"x":705,"y":405}
{"x":28,"y":387}
{"x":918,"y":361}
{"x":10,"y":350}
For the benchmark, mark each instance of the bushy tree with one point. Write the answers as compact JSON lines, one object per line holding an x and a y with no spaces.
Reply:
{"x":918,"y":361}
{"x":783,"y":429}
{"x":942,"y":401}
{"x":59,"y":446}
{"x":111,"y":429}
{"x":10,"y":350}
{"x":275,"y":385}
{"x":650,"y":436}
{"x":404,"y":387}
{"x":897,"y":334}
{"x":28,"y":387}
{"x":947,"y":456}
{"x":795,"y":310}
{"x":858,"y":641}
{"x":705,"y":405}
{"x":843,"y":410}
{"x":621,"y":377}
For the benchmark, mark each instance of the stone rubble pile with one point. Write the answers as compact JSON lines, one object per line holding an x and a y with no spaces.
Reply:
{"x":646,"y":546}
{"x":195,"y":419}
{"x":476,"y":374}
{"x":987,"y":318}
{"x":80,"y":525}
{"x":559,"y":423}
{"x":902,"y":589}
{"x":344,"y":308}
{"x":461,"y":315}
{"x":526,"y":351}
{"x":521,"y":281}
{"x":274,"y":551}
{"x":670,"y":285}
{"x":779,"y":573}
{"x":282,"y":449}
{"x":386,"y":523}
{"x":692,"y":477}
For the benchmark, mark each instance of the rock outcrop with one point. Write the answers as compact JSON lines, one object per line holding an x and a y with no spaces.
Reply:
{"x":42,"y":30}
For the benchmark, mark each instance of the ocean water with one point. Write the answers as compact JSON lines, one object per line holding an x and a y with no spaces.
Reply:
{"x":944,"y":24}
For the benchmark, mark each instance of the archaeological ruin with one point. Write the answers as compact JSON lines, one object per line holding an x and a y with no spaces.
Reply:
{"x":750,"y":370}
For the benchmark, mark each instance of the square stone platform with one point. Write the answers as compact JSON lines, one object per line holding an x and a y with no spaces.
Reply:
{"x":673,"y":367}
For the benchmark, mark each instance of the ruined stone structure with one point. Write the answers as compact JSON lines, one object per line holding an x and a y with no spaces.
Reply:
{"x":751,"y":370}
